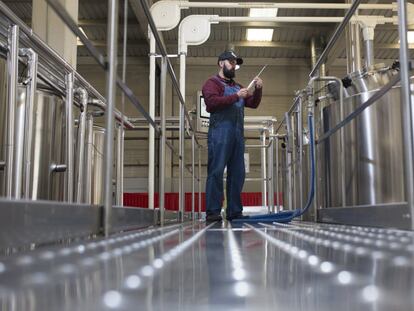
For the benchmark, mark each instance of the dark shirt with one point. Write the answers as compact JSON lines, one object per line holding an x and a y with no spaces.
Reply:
{"x":213,"y":92}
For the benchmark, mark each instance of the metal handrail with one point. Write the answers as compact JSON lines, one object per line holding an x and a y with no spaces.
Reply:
{"x":295,"y":103}
{"x":335,"y":36}
{"x":81,"y":82}
{"x":68,"y":20}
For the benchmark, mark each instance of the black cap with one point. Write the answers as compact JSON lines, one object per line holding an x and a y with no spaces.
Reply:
{"x":230,"y":55}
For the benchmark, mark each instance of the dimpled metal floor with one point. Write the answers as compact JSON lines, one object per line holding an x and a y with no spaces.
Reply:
{"x":299,"y":266}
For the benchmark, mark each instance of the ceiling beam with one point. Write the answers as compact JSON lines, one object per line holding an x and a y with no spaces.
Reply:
{"x":94,"y":22}
{"x":255,"y":44}
{"x":103,"y":22}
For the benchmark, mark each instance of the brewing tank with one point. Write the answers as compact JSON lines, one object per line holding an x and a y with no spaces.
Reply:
{"x":373,"y":147}
{"x":48,"y":140}
{"x":97,"y":163}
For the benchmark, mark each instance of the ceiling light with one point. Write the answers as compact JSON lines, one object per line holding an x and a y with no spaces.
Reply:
{"x":263,"y":12}
{"x":260,"y":34}
{"x":257,"y":34}
{"x":410,"y":36}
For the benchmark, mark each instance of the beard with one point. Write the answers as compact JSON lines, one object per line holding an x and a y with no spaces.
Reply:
{"x":229,"y":73}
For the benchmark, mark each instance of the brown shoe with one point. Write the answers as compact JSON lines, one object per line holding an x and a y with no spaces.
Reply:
{"x":212,"y":218}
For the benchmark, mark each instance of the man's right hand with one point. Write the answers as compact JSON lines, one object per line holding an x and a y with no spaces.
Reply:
{"x":243,"y":93}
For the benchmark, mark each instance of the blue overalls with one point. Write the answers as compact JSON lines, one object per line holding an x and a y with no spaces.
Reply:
{"x":226,"y":148}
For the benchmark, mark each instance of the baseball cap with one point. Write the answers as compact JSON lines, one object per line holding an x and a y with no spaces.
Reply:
{"x":230,"y":55}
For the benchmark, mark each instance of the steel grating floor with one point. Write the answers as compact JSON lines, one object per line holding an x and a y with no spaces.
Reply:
{"x":299,"y":266}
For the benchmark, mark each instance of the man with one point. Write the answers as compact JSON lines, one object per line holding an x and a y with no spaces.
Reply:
{"x":225,"y":100}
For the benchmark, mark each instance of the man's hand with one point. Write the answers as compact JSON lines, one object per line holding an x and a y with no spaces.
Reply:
{"x":243,"y":93}
{"x":258,"y":83}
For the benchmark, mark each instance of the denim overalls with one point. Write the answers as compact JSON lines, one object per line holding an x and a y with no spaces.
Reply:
{"x":226,"y":148}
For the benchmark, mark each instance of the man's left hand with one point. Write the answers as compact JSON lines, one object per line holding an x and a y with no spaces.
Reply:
{"x":259,"y":83}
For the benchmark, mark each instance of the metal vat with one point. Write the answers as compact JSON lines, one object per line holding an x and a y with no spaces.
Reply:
{"x":374,"y":172}
{"x":48,"y":148}
{"x":48,"y":141}
{"x":97,"y":163}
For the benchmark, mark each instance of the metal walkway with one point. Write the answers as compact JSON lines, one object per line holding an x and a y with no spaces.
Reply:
{"x":300,"y":266}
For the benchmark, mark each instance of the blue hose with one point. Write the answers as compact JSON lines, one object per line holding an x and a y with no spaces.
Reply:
{"x":300,"y":212}
{"x":288,"y":216}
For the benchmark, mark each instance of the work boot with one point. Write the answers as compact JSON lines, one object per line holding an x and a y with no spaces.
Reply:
{"x":212,"y":218}
{"x":237,"y":216}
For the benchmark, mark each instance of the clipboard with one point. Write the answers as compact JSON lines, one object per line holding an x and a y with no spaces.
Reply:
{"x":251,"y":86}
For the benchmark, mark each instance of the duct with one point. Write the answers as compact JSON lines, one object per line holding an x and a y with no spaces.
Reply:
{"x":368,"y":34}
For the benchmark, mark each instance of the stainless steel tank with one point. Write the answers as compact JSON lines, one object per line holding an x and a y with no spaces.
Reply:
{"x":48,"y":149}
{"x":97,"y":180}
{"x":48,"y":139}
{"x":374,"y":172}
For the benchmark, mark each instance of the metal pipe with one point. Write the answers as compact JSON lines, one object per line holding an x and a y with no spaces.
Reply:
{"x":120,"y":171}
{"x":335,"y":36}
{"x":294,"y":156}
{"x":263,"y":166}
{"x":271,"y":203}
{"x":369,"y":53}
{"x":300,"y":142}
{"x":89,"y":155}
{"x":151,"y":134}
{"x":259,"y":146}
{"x":81,"y":145}
{"x":118,"y":115}
{"x":353,"y":45}
{"x":163,"y":100}
{"x":289,"y":202}
{"x":323,"y":6}
{"x":30,"y":97}
{"x":407,"y":109}
{"x":181,"y":199}
{"x":112,"y":49}
{"x":193,"y":176}
{"x":119,"y":165}
{"x":298,"y":19}
{"x":151,"y":138}
{"x":69,"y":138}
{"x":199,"y":181}
{"x":252,"y":179}
{"x":12,"y":63}
{"x":277,"y":175}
